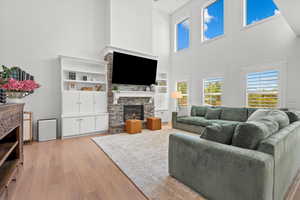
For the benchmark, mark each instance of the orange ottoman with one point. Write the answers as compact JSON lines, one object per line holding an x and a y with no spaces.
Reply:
{"x":133,"y":126}
{"x":154,"y":123}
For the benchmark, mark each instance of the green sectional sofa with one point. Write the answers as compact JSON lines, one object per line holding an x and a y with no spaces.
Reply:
{"x":197,"y":122}
{"x":228,"y":172}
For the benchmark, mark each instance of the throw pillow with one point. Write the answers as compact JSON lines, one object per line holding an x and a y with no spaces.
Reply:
{"x":249,"y":135}
{"x":213,"y":113}
{"x":219,"y":133}
{"x":279,"y":116}
{"x":293,"y":117}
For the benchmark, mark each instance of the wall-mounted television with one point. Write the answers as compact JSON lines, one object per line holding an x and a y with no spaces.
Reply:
{"x":133,"y":70}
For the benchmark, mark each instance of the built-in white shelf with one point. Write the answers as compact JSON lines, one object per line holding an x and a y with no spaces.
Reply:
{"x":84,"y":103}
{"x":85,"y":72}
{"x":89,"y":82}
{"x":162,"y":97}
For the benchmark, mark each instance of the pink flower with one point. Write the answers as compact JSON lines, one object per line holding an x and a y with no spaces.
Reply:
{"x":20,"y":86}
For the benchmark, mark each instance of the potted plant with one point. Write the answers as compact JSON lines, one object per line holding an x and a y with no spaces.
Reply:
{"x":16,"y":90}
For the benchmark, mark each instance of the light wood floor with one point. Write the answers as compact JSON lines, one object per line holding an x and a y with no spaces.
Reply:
{"x":74,"y":169}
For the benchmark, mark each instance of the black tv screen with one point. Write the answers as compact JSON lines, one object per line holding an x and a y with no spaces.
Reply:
{"x":133,"y":70}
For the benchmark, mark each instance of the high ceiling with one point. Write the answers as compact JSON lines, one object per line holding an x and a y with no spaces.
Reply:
{"x":169,"y":6}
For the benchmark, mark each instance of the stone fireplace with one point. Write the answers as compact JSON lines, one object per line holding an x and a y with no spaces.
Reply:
{"x":128,"y":102}
{"x":133,"y":112}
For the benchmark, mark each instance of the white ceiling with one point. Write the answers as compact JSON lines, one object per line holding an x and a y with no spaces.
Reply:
{"x":169,"y":6}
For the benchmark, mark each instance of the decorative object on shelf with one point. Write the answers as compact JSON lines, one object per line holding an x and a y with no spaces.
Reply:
{"x":148,"y":89}
{"x":98,"y":87}
{"x":72,"y":76}
{"x":176,"y":95}
{"x":84,"y":78}
{"x":16,"y":90}
{"x":72,"y":86}
{"x":87,"y":88}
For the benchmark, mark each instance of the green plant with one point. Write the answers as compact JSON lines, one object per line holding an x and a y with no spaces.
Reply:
{"x":6,"y":74}
{"x":115,"y":88}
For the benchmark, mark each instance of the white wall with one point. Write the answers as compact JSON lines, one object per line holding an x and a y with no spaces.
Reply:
{"x":161,"y":39}
{"x":265,"y":44}
{"x":34,"y":32}
{"x":131,"y":24}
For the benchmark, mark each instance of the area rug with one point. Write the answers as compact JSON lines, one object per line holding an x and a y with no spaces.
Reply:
{"x":144,"y":159}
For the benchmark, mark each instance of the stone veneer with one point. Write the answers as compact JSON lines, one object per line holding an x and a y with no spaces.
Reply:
{"x":115,"y":111}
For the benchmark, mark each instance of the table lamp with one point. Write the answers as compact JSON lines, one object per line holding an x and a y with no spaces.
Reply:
{"x":176,"y":95}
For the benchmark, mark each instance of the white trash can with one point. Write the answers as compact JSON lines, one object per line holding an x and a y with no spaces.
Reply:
{"x":47,"y":129}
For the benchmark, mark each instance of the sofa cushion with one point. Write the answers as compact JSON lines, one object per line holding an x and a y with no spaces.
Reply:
{"x":248,"y":135}
{"x":279,"y":116}
{"x":198,"y":111}
{"x":198,"y":121}
{"x":219,"y":133}
{"x":213,"y":113}
{"x":234,"y":114}
{"x":293,"y":117}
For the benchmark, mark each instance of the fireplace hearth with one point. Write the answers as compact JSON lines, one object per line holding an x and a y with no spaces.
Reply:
{"x":133,"y":112}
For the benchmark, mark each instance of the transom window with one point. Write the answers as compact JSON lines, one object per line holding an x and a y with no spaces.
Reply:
{"x":213,"y":91}
{"x":182,"y":87}
{"x":213,"y":20}
{"x":257,"y":10}
{"x":263,"y":89}
{"x":183,"y":35}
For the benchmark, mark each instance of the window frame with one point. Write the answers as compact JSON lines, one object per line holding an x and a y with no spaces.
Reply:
{"x":187,"y":95}
{"x":206,"y":5}
{"x":244,"y":21}
{"x":281,"y":67}
{"x":181,"y":20}
{"x":203,"y":89}
{"x":278,"y":89}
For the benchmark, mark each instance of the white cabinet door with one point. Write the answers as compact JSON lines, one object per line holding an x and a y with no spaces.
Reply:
{"x":87,"y":125}
{"x":101,"y":122}
{"x":86,"y":103}
{"x":70,"y":127}
{"x":70,"y":103}
{"x":100,"y":103}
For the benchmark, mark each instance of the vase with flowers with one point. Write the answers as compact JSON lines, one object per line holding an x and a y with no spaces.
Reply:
{"x":16,"y":90}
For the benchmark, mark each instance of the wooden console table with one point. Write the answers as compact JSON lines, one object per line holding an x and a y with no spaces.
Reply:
{"x":11,"y":147}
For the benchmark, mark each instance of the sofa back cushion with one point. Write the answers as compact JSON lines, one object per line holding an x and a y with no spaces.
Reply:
{"x":213,"y":113}
{"x":279,"y":116}
{"x":219,"y":133}
{"x":249,"y":135}
{"x":199,"y":111}
{"x":234,"y":114}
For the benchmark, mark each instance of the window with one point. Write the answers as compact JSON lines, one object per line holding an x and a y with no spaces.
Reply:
{"x":213,"y":91}
{"x":213,"y":20}
{"x":257,"y":10}
{"x":182,"y":87}
{"x":263,"y":89}
{"x":183,"y":35}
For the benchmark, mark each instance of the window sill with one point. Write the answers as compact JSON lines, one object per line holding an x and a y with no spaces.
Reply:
{"x":245,"y":27}
{"x":213,"y":39}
